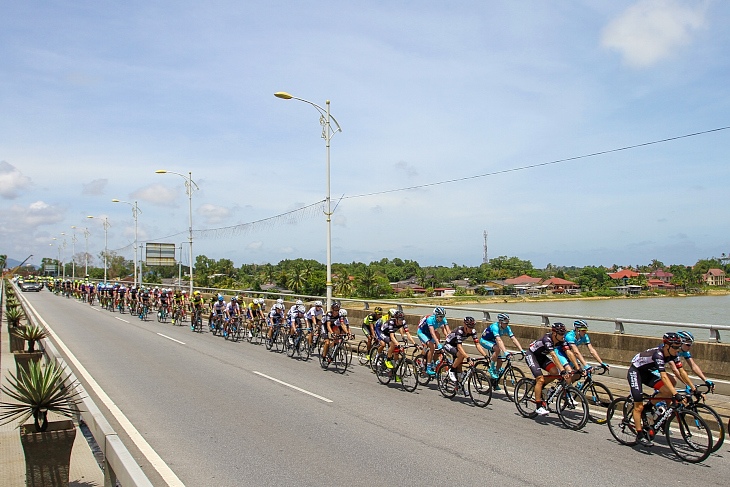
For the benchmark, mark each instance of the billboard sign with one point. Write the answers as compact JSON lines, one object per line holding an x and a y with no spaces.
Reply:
{"x":160,"y":254}
{"x":49,"y":268}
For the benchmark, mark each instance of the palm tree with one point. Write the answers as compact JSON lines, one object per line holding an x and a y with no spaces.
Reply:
{"x":296,"y":280}
{"x":343,"y":286}
{"x":366,"y":282}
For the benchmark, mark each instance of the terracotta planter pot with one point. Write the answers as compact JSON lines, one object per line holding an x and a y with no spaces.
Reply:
{"x":22,"y":359}
{"x":16,"y":344}
{"x":48,"y":454}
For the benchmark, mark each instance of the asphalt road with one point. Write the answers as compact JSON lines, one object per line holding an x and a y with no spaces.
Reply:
{"x":204,"y":408}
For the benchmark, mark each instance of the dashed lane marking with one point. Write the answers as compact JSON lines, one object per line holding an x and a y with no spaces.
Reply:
{"x":293,"y":387}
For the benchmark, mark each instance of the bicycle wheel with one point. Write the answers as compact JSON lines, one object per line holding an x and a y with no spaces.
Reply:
{"x":362,"y":352}
{"x":524,"y":398}
{"x":291,"y":348}
{"x":421,"y":365}
{"x":509,"y":381}
{"x":447,"y":387}
{"x":599,"y":397}
{"x":305,"y":350}
{"x":620,"y":419}
{"x":339,"y":359}
{"x":688,"y":436}
{"x":381,"y":371}
{"x":408,"y":375}
{"x":713,"y":420}
{"x":281,"y":339}
{"x":373,"y":356}
{"x":480,"y":386}
{"x":572,"y":408}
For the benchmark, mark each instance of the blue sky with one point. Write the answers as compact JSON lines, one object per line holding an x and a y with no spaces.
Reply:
{"x":95,"y":96}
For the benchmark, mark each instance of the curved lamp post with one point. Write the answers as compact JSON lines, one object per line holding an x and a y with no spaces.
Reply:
{"x":135,"y":211}
{"x":106,"y":231}
{"x":190,"y":188}
{"x":327,"y":134}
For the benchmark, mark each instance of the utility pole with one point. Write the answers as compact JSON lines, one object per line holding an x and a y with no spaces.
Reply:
{"x":486,"y":256}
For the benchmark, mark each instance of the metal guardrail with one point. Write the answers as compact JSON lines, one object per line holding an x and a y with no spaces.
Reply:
{"x":619,"y":323}
{"x":119,"y":465}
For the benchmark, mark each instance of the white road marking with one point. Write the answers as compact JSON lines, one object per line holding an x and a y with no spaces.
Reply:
{"x":121,"y":319}
{"x":95,"y":309}
{"x":155,"y":460}
{"x":165,"y":336}
{"x":293,"y":387}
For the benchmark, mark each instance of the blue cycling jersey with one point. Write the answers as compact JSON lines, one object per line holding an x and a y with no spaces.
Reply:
{"x":494,"y":330}
{"x":431,"y":321}
{"x":684,"y":354}
{"x":571,"y":338}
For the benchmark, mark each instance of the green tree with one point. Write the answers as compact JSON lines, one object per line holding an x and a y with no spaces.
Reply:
{"x":366,"y":283}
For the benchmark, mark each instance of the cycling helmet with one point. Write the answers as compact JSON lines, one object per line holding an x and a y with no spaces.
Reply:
{"x":279,"y":301}
{"x":343,"y":312}
{"x":318,"y":303}
{"x":672,"y":339}
{"x":378,"y":310}
{"x":256,"y":301}
{"x":233,"y":298}
{"x":559,"y":327}
{"x":184,"y":292}
{"x":398,"y":315}
{"x":686,"y":337}
{"x":299,"y":301}
{"x":392,"y":311}
{"x":502,"y":317}
{"x":469,"y":321}
{"x":335,"y":305}
{"x":439,"y":311}
{"x":301,"y":309}
{"x":220,"y":298}
{"x":580,"y":325}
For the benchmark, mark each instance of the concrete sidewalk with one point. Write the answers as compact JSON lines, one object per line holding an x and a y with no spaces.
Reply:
{"x":84,"y":472}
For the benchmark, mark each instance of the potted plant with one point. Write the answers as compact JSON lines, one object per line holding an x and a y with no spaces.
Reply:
{"x":46,"y":445}
{"x":31,"y":334}
{"x":14,"y":315}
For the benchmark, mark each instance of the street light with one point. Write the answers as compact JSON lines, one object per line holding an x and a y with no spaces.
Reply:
{"x":73,"y":255}
{"x":135,"y":211}
{"x":86,"y":257}
{"x":106,"y":231}
{"x":190,"y":187}
{"x":327,"y":134}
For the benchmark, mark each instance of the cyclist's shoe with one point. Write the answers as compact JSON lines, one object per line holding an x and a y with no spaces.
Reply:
{"x":430,"y":371}
{"x":493,"y":372}
{"x":388,"y":364}
{"x":452,"y":376}
{"x":642,"y":438}
{"x":496,"y":387}
{"x":542,"y":410}
{"x":173,"y":321}
{"x":397,"y":378}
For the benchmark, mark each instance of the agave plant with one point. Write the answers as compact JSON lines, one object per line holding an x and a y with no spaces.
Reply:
{"x":11,"y":303}
{"x":38,"y":391}
{"x":31,"y":334}
{"x":14,"y":315}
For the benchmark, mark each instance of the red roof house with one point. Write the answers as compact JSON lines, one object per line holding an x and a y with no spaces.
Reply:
{"x":624,"y":274}
{"x":523,"y":279}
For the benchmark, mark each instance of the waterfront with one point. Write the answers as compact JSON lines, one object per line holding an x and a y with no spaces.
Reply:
{"x":711,"y":310}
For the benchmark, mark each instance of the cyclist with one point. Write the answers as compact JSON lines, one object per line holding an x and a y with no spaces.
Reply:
{"x":295,"y":317}
{"x":276,"y":317}
{"x":429,"y":335}
{"x":165,"y":301}
{"x":388,"y":328}
{"x":218,"y":308}
{"x":314,"y":318}
{"x":233,"y":310}
{"x":329,"y":323}
{"x":368,"y":325}
{"x":145,"y":302}
{"x":644,"y":369}
{"x":453,"y":345}
{"x":178,"y":302}
{"x":541,"y":354}
{"x":491,"y":340}
{"x":684,"y":352}
{"x":254,"y":313}
{"x":196,"y":305}
{"x":579,"y":336}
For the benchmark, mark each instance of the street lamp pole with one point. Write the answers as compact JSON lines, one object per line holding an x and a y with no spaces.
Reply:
{"x":135,"y":211}
{"x":327,"y":133}
{"x":73,"y":255}
{"x":190,"y":188}
{"x":86,"y":256}
{"x":106,"y":232}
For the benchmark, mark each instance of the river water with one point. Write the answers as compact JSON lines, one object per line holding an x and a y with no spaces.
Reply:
{"x":710,"y":310}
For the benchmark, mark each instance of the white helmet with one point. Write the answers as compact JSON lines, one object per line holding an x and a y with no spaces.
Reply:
{"x":278,"y":306}
{"x":343,"y":312}
{"x":392,"y":311}
{"x":256,"y":301}
{"x":301,"y":309}
{"x":299,"y":301}
{"x":318,"y":303}
{"x":279,"y":301}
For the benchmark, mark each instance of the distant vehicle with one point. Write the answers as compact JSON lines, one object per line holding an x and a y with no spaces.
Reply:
{"x":31,"y":286}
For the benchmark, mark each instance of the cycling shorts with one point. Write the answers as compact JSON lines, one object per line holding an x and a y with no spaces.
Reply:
{"x":424,"y":337}
{"x":564,"y":361}
{"x":487,"y":344}
{"x":451,"y":349}
{"x":366,"y":329}
{"x":539,"y":362}
{"x":637,"y":377}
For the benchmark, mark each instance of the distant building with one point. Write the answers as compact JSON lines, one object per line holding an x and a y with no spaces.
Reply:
{"x":558,"y":285}
{"x":714,"y":277}
{"x":661,"y":275}
{"x":624,"y":274}
{"x":659,"y":284}
{"x":522,"y":280}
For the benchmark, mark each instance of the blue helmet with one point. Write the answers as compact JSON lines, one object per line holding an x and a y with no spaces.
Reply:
{"x":220,"y":298}
{"x":502,"y":317}
{"x":580,"y":325}
{"x":686,"y":337}
{"x":439,"y":312}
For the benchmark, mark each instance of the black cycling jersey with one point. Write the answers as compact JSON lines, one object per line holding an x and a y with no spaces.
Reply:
{"x":545,"y":345}
{"x":332,"y":318}
{"x":391,"y":326}
{"x":653,"y":359}
{"x":457,"y":336}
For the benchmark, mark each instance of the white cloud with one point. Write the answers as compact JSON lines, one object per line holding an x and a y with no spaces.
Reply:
{"x":652,"y":30}
{"x":19,"y":223}
{"x":213,"y":214}
{"x":95,"y":187}
{"x":409,"y":169}
{"x":11,"y":181}
{"x":255,"y":245}
{"x":157,"y":194}
{"x":286,"y":250}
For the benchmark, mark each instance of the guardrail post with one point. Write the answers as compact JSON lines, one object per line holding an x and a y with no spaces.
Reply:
{"x":110,"y":479}
{"x":545,"y":320}
{"x":619,"y":328}
{"x":366,"y":307}
{"x":487,"y":317}
{"x":714,"y":335}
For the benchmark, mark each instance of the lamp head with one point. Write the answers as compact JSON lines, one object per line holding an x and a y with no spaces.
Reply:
{"x":73,"y":227}
{"x":160,"y":171}
{"x":115,"y":201}
{"x":283,"y":95}
{"x":89,"y":217}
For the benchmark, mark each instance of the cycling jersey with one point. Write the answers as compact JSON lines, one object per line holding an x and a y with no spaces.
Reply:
{"x":392,"y":326}
{"x":653,"y":360}
{"x":494,"y":330}
{"x":313,"y":313}
{"x":332,"y":318}
{"x":683,"y":354}
{"x":573,"y":338}
{"x":430,"y":321}
{"x":370,"y":319}
{"x":545,"y":345}
{"x":233,"y":309}
{"x":219,"y":306}
{"x":457,"y":336}
{"x":199,"y":301}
